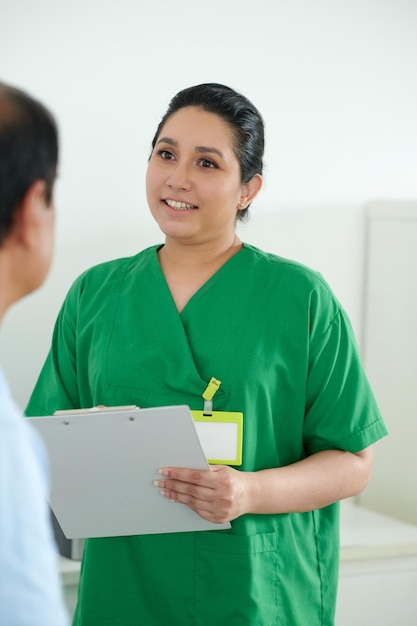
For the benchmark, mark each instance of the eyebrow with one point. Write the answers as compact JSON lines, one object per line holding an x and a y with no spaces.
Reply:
{"x":200,"y":149}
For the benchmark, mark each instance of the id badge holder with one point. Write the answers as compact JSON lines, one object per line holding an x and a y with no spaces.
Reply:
{"x":220,"y":432}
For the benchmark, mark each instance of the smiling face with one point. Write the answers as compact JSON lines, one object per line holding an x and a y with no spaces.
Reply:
{"x":193,"y":182}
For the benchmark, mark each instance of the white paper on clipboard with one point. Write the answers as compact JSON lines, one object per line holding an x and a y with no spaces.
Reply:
{"x":103,"y":465}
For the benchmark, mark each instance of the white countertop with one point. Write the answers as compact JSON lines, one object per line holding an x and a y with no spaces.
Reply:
{"x":366,"y":534}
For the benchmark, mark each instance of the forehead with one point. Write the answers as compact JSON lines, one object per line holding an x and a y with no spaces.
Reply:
{"x":195,"y":126}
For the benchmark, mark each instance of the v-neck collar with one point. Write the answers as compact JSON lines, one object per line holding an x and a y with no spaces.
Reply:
{"x":204,"y":287}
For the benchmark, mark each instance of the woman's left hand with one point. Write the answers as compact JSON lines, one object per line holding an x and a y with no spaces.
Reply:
{"x":219,"y":495}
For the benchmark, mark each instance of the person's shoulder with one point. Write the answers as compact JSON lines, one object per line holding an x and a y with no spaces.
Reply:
{"x":107,"y":272}
{"x":297,"y":280}
{"x":9,"y":411}
{"x":18,"y":440}
{"x":283,"y":266}
{"x":301,"y":287}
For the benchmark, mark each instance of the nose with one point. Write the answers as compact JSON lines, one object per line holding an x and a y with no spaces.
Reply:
{"x":179,"y":177}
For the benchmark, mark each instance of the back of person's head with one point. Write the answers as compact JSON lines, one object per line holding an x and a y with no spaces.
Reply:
{"x":28,"y":151}
{"x":236,"y":110}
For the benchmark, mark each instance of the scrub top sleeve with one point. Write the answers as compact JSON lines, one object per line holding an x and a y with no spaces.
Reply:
{"x":341,"y":410}
{"x":57,"y":386}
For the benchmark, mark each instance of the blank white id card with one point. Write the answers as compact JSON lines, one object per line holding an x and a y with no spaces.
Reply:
{"x":221,"y":436}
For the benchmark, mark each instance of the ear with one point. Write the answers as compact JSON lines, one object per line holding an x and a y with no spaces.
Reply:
{"x":27,"y":218}
{"x":250,"y":190}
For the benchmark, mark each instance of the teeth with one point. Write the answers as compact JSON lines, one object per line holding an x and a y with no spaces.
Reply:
{"x":182,"y":206}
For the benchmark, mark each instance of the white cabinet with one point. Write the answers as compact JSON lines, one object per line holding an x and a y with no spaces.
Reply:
{"x":378,"y":570}
{"x":390,"y":354}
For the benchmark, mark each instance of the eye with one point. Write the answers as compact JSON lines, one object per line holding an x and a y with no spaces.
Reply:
{"x":166,"y":155}
{"x":207,"y":163}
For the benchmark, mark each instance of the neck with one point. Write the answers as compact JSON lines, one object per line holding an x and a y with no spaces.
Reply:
{"x":7,"y":296}
{"x":187,"y":268}
{"x":12,"y":285}
{"x":199,"y":256}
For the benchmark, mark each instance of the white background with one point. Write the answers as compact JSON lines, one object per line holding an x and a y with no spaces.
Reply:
{"x":335,"y":81}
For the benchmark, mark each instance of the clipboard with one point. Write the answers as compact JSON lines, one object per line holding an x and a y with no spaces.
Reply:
{"x":103,"y":464}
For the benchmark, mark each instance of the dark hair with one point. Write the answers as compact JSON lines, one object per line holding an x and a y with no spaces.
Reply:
{"x":28,"y":150}
{"x":244,"y":119}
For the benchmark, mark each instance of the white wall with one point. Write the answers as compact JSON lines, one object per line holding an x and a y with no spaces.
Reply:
{"x":334,"y":80}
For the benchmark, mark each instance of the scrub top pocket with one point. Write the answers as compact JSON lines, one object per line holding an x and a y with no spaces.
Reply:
{"x":236,"y":579}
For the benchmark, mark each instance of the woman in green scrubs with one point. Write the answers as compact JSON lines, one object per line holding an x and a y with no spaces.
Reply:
{"x":153,"y":330}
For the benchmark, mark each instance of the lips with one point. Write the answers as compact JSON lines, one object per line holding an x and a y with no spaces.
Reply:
{"x":180,"y":206}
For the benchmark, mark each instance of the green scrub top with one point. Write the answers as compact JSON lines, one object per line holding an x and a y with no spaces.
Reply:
{"x":272,"y":331}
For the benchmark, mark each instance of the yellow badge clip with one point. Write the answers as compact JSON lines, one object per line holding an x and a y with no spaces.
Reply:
{"x":208,"y":395}
{"x":220,"y":432}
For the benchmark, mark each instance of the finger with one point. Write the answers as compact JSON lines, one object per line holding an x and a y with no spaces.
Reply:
{"x":176,"y":488}
{"x":185,"y":475}
{"x":203,"y":508}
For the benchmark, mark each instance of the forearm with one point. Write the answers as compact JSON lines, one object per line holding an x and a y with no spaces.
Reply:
{"x":225,"y":493}
{"x":312,"y":483}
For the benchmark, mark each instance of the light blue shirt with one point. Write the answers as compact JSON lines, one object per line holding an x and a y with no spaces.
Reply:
{"x":30,"y":588}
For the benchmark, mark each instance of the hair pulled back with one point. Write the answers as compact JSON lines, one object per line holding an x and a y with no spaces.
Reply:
{"x":242,"y":116}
